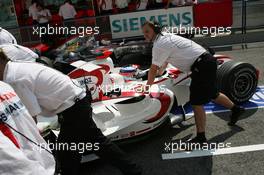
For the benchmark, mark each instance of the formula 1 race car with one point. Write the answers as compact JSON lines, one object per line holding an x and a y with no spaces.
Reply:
{"x":119,"y":110}
{"x":237,"y":80}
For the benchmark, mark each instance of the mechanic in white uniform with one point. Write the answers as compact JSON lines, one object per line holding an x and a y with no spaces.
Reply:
{"x":68,"y":12}
{"x":44,"y":16}
{"x":6,"y":37}
{"x":19,"y":155}
{"x":33,"y":11}
{"x":14,"y":51}
{"x":188,"y":56}
{"x":19,"y":53}
{"x":106,"y":6}
{"x":47,"y":92}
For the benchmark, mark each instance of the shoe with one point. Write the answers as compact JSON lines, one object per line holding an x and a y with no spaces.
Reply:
{"x":237,"y":111}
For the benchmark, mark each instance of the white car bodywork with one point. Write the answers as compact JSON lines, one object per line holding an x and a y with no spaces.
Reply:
{"x":119,"y":120}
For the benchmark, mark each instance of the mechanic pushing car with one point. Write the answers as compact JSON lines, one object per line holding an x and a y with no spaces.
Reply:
{"x":17,"y":52}
{"x":188,"y":56}
{"x":14,"y":51}
{"x":48,"y":92}
{"x":22,"y":149}
{"x":6,"y":37}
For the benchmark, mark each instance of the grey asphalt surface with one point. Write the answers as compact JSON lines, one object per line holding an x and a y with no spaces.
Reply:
{"x":249,"y":131}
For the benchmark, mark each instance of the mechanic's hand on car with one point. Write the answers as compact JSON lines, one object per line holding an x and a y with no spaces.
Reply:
{"x":162,"y":69}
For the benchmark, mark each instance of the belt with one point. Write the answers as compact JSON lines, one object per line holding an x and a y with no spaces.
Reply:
{"x":79,"y":97}
{"x":201,"y":57}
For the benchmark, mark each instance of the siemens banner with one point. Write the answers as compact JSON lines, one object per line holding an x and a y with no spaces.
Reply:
{"x":129,"y":24}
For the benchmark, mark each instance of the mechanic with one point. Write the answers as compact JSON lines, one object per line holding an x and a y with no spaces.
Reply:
{"x":22,"y":149}
{"x":68,"y":12}
{"x":188,"y":56}
{"x":106,"y":6}
{"x":33,"y":11}
{"x":17,"y":52}
{"x":14,"y":51}
{"x":6,"y":37}
{"x":46,"y":91}
{"x":44,"y":16}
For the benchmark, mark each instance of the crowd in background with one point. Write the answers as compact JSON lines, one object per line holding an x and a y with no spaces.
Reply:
{"x":86,"y":8}
{"x":41,"y":15}
{"x":82,"y":12}
{"x":120,"y":6}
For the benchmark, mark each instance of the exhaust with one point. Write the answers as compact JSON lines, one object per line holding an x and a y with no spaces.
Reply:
{"x":176,"y":119}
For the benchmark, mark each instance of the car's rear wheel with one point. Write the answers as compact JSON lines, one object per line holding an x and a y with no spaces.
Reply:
{"x":237,"y":80}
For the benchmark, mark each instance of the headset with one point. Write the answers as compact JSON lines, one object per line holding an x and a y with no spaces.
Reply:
{"x":156,"y":27}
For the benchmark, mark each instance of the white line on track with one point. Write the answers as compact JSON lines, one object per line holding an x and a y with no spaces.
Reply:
{"x":202,"y":153}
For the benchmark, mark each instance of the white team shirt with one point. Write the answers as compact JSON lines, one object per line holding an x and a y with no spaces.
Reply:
{"x":33,"y":11}
{"x":43,"y":90}
{"x":28,"y":158}
{"x":67,"y":11}
{"x":121,"y":4}
{"x":108,"y":5}
{"x":44,"y":12}
{"x":143,"y":5}
{"x":18,"y":53}
{"x":177,"y":2}
{"x":158,"y":1}
{"x":176,"y":50}
{"x":6,"y":37}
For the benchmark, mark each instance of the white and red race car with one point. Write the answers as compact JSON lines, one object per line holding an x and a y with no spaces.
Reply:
{"x":121,"y":112}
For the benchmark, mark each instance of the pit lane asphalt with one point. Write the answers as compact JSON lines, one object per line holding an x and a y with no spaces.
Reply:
{"x":249,"y":131}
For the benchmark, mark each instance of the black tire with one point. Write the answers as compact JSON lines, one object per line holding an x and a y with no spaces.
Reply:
{"x":237,"y":80}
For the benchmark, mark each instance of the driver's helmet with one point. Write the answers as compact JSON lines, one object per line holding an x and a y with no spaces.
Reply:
{"x":72,"y":56}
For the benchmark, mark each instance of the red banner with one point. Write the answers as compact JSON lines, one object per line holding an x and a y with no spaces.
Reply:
{"x":218,"y":13}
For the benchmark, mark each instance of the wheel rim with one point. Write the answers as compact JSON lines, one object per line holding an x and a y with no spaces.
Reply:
{"x":243,"y":84}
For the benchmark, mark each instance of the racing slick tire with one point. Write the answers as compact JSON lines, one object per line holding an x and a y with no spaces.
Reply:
{"x":237,"y":80}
